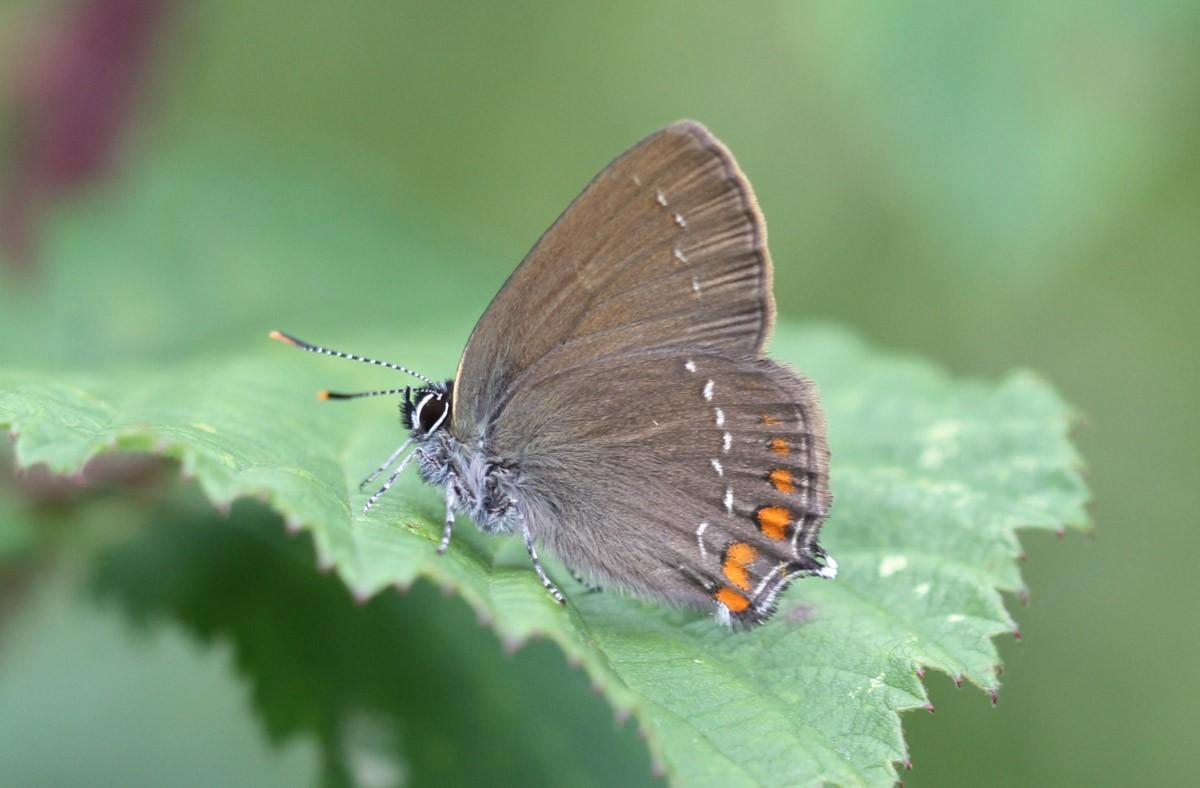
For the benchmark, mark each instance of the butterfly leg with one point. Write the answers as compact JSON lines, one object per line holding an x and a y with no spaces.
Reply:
{"x":388,"y":484}
{"x":537,"y":565}
{"x":451,"y":502}
{"x":386,"y":464}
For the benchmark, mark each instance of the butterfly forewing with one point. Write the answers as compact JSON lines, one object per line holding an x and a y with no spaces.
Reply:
{"x":691,"y":476}
{"x":665,"y":248}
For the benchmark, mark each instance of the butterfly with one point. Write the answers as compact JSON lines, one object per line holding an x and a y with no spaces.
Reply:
{"x":614,"y":405}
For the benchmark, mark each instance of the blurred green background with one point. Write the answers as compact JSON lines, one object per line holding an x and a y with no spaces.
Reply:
{"x":985,"y":185}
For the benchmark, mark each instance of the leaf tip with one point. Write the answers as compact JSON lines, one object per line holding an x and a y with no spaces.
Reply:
{"x":929,"y":708}
{"x":995,"y":697}
{"x":958,"y":680}
{"x":1016,"y":633}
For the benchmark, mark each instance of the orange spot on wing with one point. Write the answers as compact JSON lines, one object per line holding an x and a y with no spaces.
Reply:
{"x":780,"y":447}
{"x":737,"y":574}
{"x":738,"y":557}
{"x":768,"y":419}
{"x":732,"y":599}
{"x":783,"y":480}
{"x":773,"y":522}
{"x":741,"y":552}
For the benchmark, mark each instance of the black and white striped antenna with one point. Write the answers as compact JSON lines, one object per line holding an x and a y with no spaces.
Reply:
{"x":311,"y":348}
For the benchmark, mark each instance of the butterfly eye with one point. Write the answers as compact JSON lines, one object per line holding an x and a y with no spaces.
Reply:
{"x":429,"y":412}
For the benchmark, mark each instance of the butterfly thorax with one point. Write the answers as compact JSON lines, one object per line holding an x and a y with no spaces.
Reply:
{"x":480,"y":485}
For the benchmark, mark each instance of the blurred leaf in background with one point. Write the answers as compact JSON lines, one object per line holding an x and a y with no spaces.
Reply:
{"x":209,"y":639}
{"x":992,"y":186}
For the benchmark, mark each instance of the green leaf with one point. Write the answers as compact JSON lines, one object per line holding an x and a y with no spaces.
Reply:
{"x":931,"y":478}
{"x":931,"y":475}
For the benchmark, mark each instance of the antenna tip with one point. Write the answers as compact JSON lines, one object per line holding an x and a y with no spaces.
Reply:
{"x":322,"y":394}
{"x":281,"y":337}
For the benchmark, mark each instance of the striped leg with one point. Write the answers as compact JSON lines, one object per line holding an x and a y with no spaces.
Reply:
{"x":388,"y":484}
{"x":537,"y":565}
{"x":386,"y":464}
{"x":451,"y":501}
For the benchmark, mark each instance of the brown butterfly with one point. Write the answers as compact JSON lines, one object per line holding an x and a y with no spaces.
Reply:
{"x":613,"y":403}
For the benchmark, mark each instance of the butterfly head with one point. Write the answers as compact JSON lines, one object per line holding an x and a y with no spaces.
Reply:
{"x":423,"y":411}
{"x":427,"y":409}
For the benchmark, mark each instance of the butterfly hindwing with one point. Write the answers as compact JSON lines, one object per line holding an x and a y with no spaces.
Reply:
{"x":692,"y":476}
